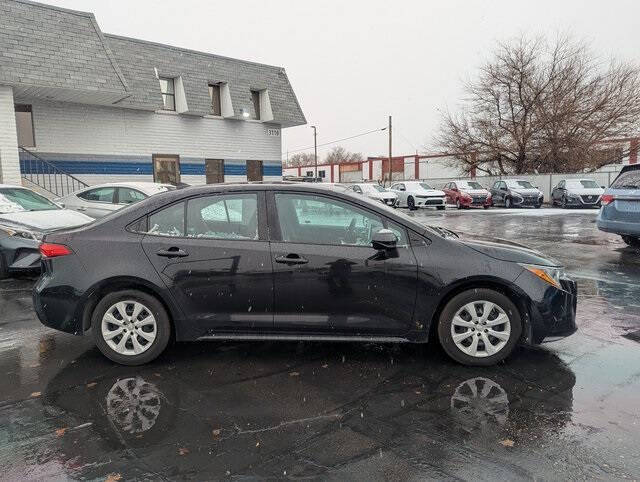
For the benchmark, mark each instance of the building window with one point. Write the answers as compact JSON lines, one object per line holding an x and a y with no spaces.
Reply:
{"x":168,"y":93}
{"x":322,"y":174}
{"x":214,"y":95}
{"x":309,"y":174}
{"x":166,"y":169}
{"x":255,"y":98}
{"x":24,"y":125}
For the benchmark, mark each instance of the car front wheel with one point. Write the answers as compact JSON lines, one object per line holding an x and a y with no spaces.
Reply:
{"x":508,"y":203}
{"x":130,"y":327}
{"x":479,"y":327}
{"x":632,"y":241}
{"x":411,"y":204}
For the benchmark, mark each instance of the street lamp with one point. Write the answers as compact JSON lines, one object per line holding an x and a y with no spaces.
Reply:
{"x":315,"y":154}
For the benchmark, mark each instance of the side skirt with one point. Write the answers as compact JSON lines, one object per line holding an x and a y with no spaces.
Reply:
{"x":355,"y":338}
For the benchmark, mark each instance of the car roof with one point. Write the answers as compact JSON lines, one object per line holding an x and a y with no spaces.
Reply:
{"x":147,"y":187}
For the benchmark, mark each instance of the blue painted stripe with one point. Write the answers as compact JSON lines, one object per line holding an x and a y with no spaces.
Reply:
{"x":144,"y":168}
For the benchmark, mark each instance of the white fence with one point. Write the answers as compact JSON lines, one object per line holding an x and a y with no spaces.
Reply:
{"x":545,"y":182}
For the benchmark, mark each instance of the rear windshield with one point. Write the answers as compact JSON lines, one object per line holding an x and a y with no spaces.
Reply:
{"x":16,"y":199}
{"x":627,"y":180}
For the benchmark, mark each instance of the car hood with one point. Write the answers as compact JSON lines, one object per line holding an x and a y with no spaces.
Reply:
{"x":506,"y":250}
{"x":476,"y":192}
{"x":594,"y":191}
{"x":45,"y":221}
{"x":526,"y":192}
{"x":429,"y":192}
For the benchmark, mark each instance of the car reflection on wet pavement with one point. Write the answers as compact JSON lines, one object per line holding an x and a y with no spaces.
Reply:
{"x":568,"y":409}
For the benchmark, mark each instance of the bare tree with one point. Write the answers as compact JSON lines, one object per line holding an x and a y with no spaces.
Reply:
{"x":339,"y":155}
{"x":300,"y":159}
{"x":538,"y":107}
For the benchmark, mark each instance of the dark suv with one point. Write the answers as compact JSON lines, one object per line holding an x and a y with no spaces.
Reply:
{"x":293,"y":261}
{"x":516,"y":193}
{"x":620,"y":213}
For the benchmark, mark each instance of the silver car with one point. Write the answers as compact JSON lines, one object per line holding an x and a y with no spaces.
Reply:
{"x":577,"y":193}
{"x":100,"y":200}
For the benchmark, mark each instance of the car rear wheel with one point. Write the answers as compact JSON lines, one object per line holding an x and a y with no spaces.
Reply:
{"x":411,"y":204}
{"x":631,"y":241}
{"x":479,"y":327}
{"x":130,"y":327}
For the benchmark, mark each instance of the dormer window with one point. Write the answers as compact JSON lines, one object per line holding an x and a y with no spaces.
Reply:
{"x":168,"y":93}
{"x":255,"y":98}
{"x":214,"y":95}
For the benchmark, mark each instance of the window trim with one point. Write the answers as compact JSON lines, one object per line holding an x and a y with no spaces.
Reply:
{"x":256,"y":93}
{"x":275,"y":234}
{"x":217,"y":85}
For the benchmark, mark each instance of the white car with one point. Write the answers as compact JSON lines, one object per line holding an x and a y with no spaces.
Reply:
{"x":418,"y":194}
{"x":375,"y":192}
{"x":102,"y":199}
{"x":577,"y":193}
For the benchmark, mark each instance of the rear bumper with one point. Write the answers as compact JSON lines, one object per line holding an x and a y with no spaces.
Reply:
{"x":618,"y":227}
{"x":20,"y":254}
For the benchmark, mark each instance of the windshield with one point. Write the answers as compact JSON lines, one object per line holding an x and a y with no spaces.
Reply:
{"x":583,"y":183}
{"x":627,"y":180}
{"x":469,"y":185}
{"x":424,"y":185}
{"x":16,"y":199}
{"x":520,"y":184}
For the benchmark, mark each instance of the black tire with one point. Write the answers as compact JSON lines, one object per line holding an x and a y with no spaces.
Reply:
{"x":456,"y":303}
{"x":163,"y":327}
{"x":458,"y":205}
{"x":4,"y":270}
{"x":563,"y":202}
{"x":632,"y":241}
{"x":538,"y":206}
{"x":508,"y":203}
{"x":411,"y":204}
{"x":487,"y":206}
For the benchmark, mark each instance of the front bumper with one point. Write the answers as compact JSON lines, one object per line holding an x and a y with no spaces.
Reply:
{"x":425,"y":202}
{"x":552,"y":312}
{"x":20,"y":254}
{"x":475,"y":202}
{"x":583,"y":201}
{"x":527,"y":201}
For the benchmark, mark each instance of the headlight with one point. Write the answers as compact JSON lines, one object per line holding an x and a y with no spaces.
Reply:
{"x":573,"y":195}
{"x":515,"y":194}
{"x":547,"y":274}
{"x":20,"y":233}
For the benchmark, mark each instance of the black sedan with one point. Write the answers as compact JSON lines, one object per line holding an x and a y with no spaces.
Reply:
{"x":293,"y":261}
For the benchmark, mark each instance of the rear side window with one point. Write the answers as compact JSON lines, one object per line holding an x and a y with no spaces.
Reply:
{"x":627,"y":180}
{"x":129,"y":196}
{"x":101,"y":194}
{"x":233,"y":216}
{"x":168,"y":221}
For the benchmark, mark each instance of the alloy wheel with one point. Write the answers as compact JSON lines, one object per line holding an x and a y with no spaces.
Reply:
{"x":480,"y":329}
{"x":129,"y":327}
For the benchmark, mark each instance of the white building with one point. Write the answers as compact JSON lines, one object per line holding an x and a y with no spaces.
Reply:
{"x":103,"y":108}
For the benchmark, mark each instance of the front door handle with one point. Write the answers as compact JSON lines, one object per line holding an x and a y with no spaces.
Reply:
{"x":80,"y":208}
{"x":291,"y":258}
{"x":172,"y":252}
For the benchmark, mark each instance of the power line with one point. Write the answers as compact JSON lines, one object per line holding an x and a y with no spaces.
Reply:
{"x":290,"y":151}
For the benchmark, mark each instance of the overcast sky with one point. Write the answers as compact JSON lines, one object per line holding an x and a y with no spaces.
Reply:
{"x":352,"y":63}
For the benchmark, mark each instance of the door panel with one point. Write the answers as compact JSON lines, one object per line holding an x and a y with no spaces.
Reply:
{"x":220,"y":284}
{"x":328,"y":278}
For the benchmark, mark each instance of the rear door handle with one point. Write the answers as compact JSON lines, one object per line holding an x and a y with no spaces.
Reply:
{"x":291,"y":259}
{"x":172,"y":252}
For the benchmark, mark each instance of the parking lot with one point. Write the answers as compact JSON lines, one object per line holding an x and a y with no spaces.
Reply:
{"x":342,"y":411}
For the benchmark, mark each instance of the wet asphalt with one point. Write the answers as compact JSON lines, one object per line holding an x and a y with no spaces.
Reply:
{"x":340,"y":411}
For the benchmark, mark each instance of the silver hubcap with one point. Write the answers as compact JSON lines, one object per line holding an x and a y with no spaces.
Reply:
{"x":480,"y":329}
{"x":129,"y":328}
{"x":133,"y":404}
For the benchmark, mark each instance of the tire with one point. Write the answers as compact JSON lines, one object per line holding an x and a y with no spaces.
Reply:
{"x":538,"y":206}
{"x":457,"y":308}
{"x":411,"y":204}
{"x":632,"y":241}
{"x":458,"y":205}
{"x":508,"y":203}
{"x":4,"y":270}
{"x":159,"y":329}
{"x":440,"y":208}
{"x":486,"y":206}
{"x":563,"y":202}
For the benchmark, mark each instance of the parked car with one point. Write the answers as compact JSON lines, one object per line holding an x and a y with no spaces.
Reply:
{"x":620,"y":212}
{"x":375,"y":192}
{"x":25,"y":216}
{"x":418,"y":194}
{"x":465,"y":194}
{"x":294,"y":262}
{"x":577,"y":193}
{"x":516,"y":193}
{"x":102,"y":199}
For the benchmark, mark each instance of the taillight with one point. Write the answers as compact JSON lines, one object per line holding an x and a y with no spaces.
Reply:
{"x":50,"y":250}
{"x":607,"y":199}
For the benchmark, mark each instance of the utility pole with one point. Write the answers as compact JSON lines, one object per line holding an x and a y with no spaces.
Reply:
{"x":315,"y":154}
{"x":390,"y":154}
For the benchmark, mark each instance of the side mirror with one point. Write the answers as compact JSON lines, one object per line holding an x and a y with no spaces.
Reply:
{"x":384,"y":239}
{"x":602,"y":187}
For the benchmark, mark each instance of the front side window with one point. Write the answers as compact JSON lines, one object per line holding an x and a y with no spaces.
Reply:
{"x":168,"y":93}
{"x":233,"y":216}
{"x":168,"y":221}
{"x":17,"y":199}
{"x":101,"y":194}
{"x":129,"y":196}
{"x":320,"y":220}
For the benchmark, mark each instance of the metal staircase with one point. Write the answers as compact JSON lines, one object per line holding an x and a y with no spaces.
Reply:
{"x":46,"y":176}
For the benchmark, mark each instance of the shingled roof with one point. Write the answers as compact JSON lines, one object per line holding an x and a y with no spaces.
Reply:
{"x":45,"y":49}
{"x":45,"y":46}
